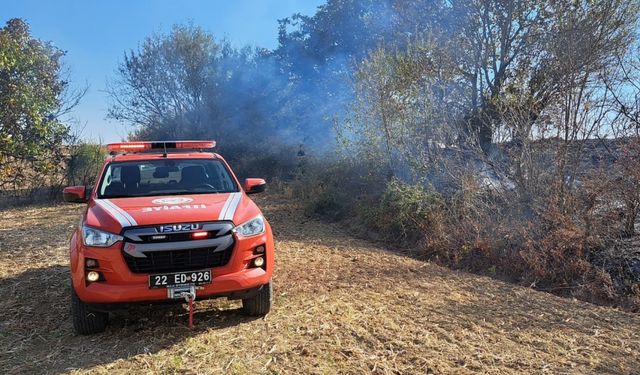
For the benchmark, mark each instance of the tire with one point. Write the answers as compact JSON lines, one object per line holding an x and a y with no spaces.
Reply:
{"x":85,"y":320}
{"x":260,"y":304}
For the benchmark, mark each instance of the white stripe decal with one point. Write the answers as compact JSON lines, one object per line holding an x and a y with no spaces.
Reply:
{"x":116,"y":210}
{"x":224,"y":208}
{"x":231,"y":210}
{"x":115,"y":214}
{"x":123,"y":213}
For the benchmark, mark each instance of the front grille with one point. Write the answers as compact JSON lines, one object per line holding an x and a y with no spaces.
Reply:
{"x":176,"y":252}
{"x":171,"y":237}
{"x":178,"y":260}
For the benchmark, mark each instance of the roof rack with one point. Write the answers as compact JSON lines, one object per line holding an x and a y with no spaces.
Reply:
{"x":158,"y":146}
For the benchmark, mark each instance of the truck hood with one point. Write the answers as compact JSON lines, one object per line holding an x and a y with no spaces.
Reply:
{"x":118,"y":213}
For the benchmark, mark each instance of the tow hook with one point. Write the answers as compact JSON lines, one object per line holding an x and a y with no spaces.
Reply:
{"x":189,"y":297}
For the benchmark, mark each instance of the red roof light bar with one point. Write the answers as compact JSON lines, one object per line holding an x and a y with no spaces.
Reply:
{"x":159,"y":145}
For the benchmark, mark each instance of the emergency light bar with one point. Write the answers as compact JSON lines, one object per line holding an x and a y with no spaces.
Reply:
{"x":158,"y":145}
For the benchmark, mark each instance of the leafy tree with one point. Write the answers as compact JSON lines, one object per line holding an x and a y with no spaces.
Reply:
{"x":186,"y":84}
{"x":338,"y":35}
{"x":33,"y":96}
{"x":163,"y":86}
{"x":319,"y":54}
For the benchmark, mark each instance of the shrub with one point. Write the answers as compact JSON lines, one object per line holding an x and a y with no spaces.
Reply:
{"x":404,"y":212}
{"x":84,"y":163}
{"x":334,"y":190}
{"x":261,"y":161}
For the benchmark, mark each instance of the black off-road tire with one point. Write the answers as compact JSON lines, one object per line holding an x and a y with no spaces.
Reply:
{"x":85,"y":320}
{"x":260,"y":304}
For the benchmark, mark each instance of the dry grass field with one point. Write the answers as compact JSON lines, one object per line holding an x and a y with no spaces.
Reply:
{"x":342,"y":306}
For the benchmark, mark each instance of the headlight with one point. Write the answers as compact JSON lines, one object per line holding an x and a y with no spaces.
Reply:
{"x":252,"y":227}
{"x":98,"y":238}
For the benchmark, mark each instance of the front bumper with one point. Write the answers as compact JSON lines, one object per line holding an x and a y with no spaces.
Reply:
{"x":121,"y":286}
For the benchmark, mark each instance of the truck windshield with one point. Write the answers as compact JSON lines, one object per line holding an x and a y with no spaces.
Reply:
{"x":165,"y":177}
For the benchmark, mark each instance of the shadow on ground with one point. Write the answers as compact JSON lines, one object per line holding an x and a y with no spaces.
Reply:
{"x":37,"y":335}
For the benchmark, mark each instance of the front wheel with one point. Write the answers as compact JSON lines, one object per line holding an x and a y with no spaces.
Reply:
{"x":85,"y":320}
{"x":260,"y":304}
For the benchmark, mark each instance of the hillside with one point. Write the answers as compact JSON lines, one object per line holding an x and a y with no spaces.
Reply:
{"x":342,"y":306}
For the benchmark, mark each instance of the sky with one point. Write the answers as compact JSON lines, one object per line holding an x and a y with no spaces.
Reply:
{"x":96,"y":34}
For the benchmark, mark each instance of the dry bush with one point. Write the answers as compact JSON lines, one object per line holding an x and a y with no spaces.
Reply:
{"x":551,"y":244}
{"x":278,"y":162}
{"x":75,"y":164}
{"x":625,"y":184}
{"x":335,"y":190}
{"x":25,"y":184}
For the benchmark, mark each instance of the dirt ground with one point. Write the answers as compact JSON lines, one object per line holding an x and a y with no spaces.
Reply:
{"x":342,"y":305}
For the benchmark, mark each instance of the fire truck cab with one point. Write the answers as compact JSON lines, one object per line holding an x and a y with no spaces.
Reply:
{"x":167,"y":221}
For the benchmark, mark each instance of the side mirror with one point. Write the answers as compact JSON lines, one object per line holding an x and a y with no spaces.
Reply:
{"x":75,"y":194}
{"x":254,"y":185}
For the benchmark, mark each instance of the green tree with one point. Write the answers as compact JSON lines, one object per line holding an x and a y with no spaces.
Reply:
{"x":187,"y":84}
{"x":163,"y":87}
{"x":33,"y":97}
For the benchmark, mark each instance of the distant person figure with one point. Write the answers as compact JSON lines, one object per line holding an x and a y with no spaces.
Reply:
{"x":302,"y":162}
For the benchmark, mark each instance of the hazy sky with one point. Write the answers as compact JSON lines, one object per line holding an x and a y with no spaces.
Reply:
{"x":95,"y":35}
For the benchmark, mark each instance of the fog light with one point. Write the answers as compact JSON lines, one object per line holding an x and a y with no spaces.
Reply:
{"x":93,"y":276}
{"x":91,"y":263}
{"x":259,"y":249}
{"x":258,"y":262}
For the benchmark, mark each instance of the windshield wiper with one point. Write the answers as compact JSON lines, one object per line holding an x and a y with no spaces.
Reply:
{"x":187,"y":192}
{"x":162,"y":193}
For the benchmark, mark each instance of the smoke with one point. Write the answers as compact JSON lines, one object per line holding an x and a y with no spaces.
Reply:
{"x":252,"y":99}
{"x":294,"y":94}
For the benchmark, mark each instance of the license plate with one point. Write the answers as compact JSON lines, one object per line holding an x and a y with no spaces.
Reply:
{"x":171,"y":280}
